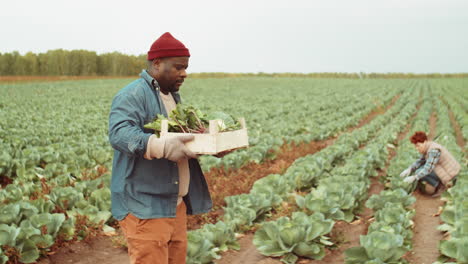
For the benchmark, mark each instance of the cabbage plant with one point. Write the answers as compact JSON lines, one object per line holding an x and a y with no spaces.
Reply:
{"x":335,"y":200}
{"x":400,"y":196}
{"x":242,"y":210}
{"x":221,"y":235}
{"x":377,"y":247}
{"x":455,"y":248}
{"x":199,"y":249}
{"x":301,"y":235}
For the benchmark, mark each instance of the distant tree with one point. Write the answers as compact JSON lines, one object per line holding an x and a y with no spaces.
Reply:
{"x":56,"y":62}
{"x":31,"y":64}
{"x":19,"y":64}
{"x":7,"y":60}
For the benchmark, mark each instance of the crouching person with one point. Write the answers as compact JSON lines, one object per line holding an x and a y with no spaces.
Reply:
{"x":435,"y":170}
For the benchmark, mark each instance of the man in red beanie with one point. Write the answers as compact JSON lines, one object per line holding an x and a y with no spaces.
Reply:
{"x":155,"y":182}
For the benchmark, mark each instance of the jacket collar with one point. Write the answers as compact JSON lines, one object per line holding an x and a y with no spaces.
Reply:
{"x":150,"y":80}
{"x":155,"y":86}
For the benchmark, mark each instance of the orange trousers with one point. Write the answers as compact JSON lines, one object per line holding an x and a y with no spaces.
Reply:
{"x":158,"y":240}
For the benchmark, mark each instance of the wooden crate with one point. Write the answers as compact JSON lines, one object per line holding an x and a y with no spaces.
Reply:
{"x":213,"y":142}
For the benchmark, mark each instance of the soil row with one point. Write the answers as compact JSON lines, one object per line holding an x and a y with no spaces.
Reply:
{"x":426,"y":237}
{"x":456,"y":127}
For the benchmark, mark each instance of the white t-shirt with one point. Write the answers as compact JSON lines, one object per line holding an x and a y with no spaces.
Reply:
{"x":184,"y":172}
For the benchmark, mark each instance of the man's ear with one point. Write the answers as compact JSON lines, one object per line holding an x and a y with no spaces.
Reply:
{"x":157,"y":64}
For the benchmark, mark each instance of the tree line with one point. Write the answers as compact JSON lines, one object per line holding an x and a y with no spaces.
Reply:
{"x":61,"y":62}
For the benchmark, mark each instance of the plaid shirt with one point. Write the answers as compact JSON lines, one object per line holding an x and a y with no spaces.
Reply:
{"x":427,"y":165}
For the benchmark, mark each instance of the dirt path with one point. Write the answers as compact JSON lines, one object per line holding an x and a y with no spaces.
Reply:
{"x":248,"y":254}
{"x":458,"y":133}
{"x":99,"y":250}
{"x":456,"y":127}
{"x":426,"y":237}
{"x":377,"y":111}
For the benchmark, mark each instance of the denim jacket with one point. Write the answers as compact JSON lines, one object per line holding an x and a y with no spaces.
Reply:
{"x":147,"y":188}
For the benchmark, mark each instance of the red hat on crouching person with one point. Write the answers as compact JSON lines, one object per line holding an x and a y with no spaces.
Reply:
{"x":167,"y":46}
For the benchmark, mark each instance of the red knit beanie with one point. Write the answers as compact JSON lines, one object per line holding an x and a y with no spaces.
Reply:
{"x":167,"y":46}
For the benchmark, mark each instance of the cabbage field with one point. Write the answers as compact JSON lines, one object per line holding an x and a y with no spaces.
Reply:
{"x":55,"y":162}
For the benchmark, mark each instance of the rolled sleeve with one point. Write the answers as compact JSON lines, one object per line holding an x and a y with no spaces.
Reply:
{"x":126,"y":122}
{"x":418,"y":163}
{"x":433,"y":158}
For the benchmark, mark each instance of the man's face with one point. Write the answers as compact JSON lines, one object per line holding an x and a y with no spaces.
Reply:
{"x":171,"y":73}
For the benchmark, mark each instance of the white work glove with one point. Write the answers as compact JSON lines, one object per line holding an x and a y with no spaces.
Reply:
{"x":155,"y":148}
{"x":175,"y":149}
{"x":172,"y":148}
{"x":405,"y":172}
{"x":410,"y":179}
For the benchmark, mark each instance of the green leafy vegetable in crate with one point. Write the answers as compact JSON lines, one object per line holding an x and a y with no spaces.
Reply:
{"x":188,"y":119}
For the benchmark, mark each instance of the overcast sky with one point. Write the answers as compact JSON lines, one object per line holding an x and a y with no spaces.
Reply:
{"x":255,"y":35}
